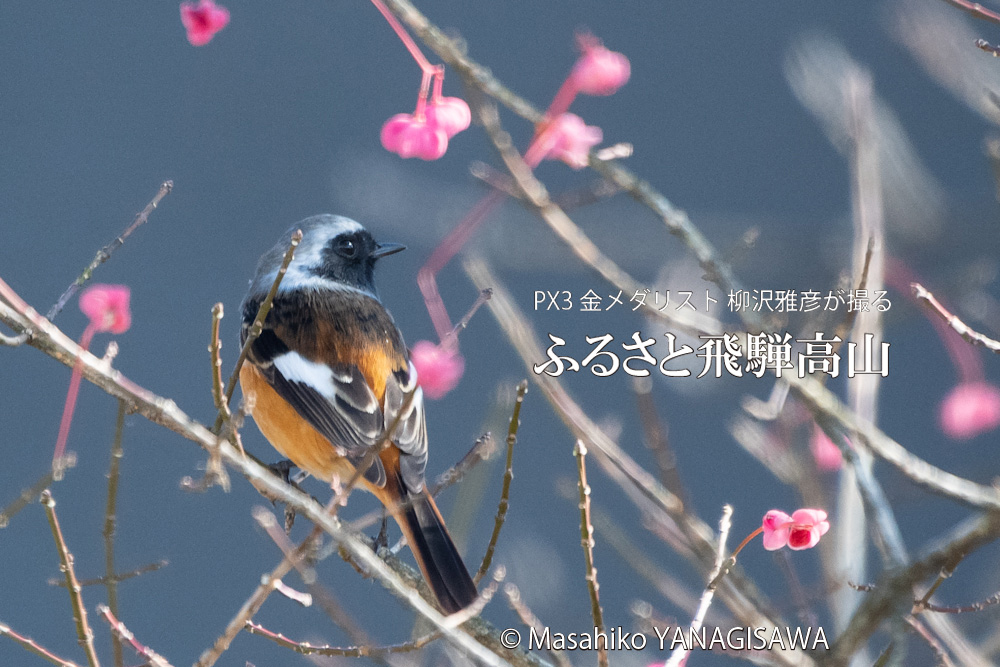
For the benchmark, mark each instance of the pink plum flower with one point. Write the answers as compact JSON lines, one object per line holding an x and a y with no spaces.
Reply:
{"x":450,"y":114}
{"x":825,"y":453}
{"x":570,"y":139}
{"x":107,"y":308}
{"x":599,"y":70}
{"x":425,"y":132}
{"x":970,"y":409}
{"x":410,"y":136}
{"x":801,"y":530}
{"x":438,"y":368}
{"x":203,"y":20}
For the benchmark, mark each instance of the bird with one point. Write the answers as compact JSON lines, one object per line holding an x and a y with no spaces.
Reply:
{"x":329,"y":374}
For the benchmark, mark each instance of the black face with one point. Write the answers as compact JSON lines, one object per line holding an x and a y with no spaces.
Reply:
{"x":350,"y":258}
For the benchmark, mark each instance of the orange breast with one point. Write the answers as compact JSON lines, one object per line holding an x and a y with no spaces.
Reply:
{"x":288,"y":432}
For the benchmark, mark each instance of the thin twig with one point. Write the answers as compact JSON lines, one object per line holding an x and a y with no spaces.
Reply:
{"x":215,"y":472}
{"x":943,"y":659}
{"x":31,"y":645}
{"x":508,"y":475}
{"x":256,"y":600}
{"x":361,"y":651}
{"x":976,"y":10}
{"x":897,"y":585}
{"x":529,"y":619}
{"x":298,"y":597}
{"x":215,"y":352}
{"x":13,"y":341}
{"x":452,"y":337}
{"x":110,"y":523}
{"x":945,"y":573}
{"x":473,"y":610}
{"x":657,"y":439}
{"x":681,"y":652}
{"x":618,"y":538}
{"x":587,"y":542}
{"x":482,"y":450}
{"x":847,"y":324}
{"x":118,"y":628}
{"x":27,"y":496}
{"x":326,"y":601}
{"x":885,"y":655}
{"x":85,"y":636}
{"x":117,"y":578}
{"x":923,"y":603}
{"x":573,"y":199}
{"x":258,"y":326}
{"x":975,"y":606}
{"x":104,"y":254}
{"x":987,"y":47}
{"x":960,"y":327}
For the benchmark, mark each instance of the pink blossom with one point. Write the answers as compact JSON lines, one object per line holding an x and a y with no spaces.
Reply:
{"x":409,"y":136}
{"x":203,"y":20}
{"x":599,"y":71}
{"x":800,"y":531}
{"x":825,"y":453}
{"x":107,"y":307}
{"x":438,"y":369}
{"x":970,"y":409}
{"x":450,"y":114}
{"x":570,"y":139}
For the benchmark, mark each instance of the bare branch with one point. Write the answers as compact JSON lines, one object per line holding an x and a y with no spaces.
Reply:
{"x":32,"y":646}
{"x":104,"y":254}
{"x":110,"y":522}
{"x":725,"y":523}
{"x":508,"y":475}
{"x":29,"y":495}
{"x":976,"y":10}
{"x":960,"y":327}
{"x":85,"y":636}
{"x":897,"y":585}
{"x":258,"y":325}
{"x":587,"y":542}
{"x":528,"y":617}
{"x":118,"y":628}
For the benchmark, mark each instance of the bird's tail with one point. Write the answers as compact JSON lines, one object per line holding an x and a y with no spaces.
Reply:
{"x":436,"y":554}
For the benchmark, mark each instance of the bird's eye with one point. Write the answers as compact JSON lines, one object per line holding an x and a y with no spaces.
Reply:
{"x":347,"y":248}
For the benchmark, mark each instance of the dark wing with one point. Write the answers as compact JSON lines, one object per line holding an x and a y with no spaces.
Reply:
{"x":335,"y":400}
{"x":411,"y":430}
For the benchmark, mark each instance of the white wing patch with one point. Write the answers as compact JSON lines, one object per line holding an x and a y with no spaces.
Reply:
{"x":296,"y":368}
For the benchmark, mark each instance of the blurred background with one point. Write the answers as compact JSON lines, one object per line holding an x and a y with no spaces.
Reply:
{"x":733,"y":116}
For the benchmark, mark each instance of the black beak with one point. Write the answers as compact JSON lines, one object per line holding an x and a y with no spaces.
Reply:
{"x":383,"y":249}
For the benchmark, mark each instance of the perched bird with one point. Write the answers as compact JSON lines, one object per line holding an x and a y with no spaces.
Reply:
{"x":330,"y":373}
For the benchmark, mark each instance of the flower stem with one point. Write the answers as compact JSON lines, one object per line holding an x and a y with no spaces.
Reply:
{"x":438,"y":83}
{"x":404,"y":36}
{"x":564,"y":97}
{"x":746,"y":541}
{"x":70,"y":406}
{"x":723,"y":570}
{"x":445,"y":251}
